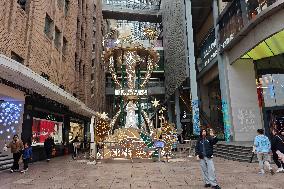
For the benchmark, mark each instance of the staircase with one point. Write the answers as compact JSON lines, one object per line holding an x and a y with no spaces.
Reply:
{"x":234,"y":152}
{"x":6,"y":162}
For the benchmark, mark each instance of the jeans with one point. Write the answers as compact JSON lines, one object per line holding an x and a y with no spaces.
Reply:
{"x":264,"y":159}
{"x":26,"y":163}
{"x":208,"y":171}
{"x":16,"y":157}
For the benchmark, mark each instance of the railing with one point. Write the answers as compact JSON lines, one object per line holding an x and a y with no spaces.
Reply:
{"x":134,"y":4}
{"x":208,"y":50}
{"x":237,"y":16}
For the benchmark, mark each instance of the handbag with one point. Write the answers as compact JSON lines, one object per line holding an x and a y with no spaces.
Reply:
{"x":53,"y":153}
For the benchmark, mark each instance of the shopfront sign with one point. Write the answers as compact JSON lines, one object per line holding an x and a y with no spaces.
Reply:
{"x":208,"y":50}
{"x":131,"y":92}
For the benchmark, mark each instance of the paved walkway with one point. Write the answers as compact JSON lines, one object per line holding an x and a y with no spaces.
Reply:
{"x":66,"y":173}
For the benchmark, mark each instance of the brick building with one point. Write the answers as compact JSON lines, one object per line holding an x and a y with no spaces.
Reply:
{"x":50,"y":62}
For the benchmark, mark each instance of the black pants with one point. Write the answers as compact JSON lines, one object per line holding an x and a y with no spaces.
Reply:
{"x":26,"y":163}
{"x":16,"y":157}
{"x":48,"y":153}
{"x":276,"y":160}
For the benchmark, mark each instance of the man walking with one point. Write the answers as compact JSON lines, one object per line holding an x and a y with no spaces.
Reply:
{"x":204,"y":153}
{"x":262,"y":149}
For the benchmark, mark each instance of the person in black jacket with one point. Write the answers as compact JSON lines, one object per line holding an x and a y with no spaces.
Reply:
{"x":204,"y":153}
{"x":48,"y":146}
{"x":277,"y":143}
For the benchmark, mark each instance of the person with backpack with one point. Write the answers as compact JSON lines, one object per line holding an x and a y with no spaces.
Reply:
{"x":204,"y":153}
{"x":263,"y":149}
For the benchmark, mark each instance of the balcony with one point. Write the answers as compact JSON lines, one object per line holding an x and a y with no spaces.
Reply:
{"x":207,"y":50}
{"x":239,"y":15}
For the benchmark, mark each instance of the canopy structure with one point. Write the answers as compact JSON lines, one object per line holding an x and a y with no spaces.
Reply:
{"x":19,"y":74}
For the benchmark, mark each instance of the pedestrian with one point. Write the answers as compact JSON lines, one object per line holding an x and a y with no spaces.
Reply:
{"x":48,"y":146}
{"x":16,"y":146}
{"x":76,"y":145}
{"x":263,"y":150}
{"x":204,"y":153}
{"x":27,"y":156}
{"x":277,"y":144}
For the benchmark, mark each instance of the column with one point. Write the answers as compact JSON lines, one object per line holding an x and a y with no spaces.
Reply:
{"x":223,"y":77}
{"x":177,"y":110}
{"x":170,"y":113}
{"x":192,"y":70}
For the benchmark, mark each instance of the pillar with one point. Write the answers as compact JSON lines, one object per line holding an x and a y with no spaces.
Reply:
{"x":245,"y":111}
{"x":177,"y":110}
{"x":192,"y":70}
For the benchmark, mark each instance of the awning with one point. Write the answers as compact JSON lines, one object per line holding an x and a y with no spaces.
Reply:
{"x":19,"y":74}
{"x":272,"y":46}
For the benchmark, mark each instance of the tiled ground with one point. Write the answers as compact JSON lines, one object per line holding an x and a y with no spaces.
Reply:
{"x":66,"y":173}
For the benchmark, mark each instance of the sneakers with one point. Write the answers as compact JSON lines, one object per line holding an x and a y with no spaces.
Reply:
{"x":47,"y":160}
{"x":12,"y":170}
{"x":24,"y":171}
{"x":280,"y":170}
{"x":261,"y":172}
{"x":207,"y":185}
{"x":216,"y":187}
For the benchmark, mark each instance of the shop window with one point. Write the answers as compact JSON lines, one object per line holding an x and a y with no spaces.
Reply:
{"x":42,"y":128}
{"x":57,"y":38}
{"x":16,"y":57}
{"x":10,"y":118}
{"x":48,"y":28}
{"x":76,"y":129}
{"x":64,"y":47}
{"x":22,"y":4}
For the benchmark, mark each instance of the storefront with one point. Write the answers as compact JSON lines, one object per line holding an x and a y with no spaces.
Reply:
{"x":269,"y":67}
{"x":12,"y":103}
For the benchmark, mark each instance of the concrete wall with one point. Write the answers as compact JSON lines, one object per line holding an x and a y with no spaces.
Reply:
{"x":246,"y":116}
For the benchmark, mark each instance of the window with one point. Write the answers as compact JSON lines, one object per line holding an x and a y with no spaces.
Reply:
{"x":93,"y":90}
{"x":22,"y":4}
{"x":93,"y":63}
{"x":16,"y":57}
{"x":84,"y":70}
{"x":80,"y":63}
{"x":92,"y":76}
{"x":64,"y":47}
{"x":60,"y":4}
{"x":76,"y":57}
{"x":48,"y":26}
{"x":41,"y":128}
{"x":66,"y":7}
{"x":57,"y":38}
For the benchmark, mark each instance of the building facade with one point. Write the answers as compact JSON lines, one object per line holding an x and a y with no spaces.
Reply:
{"x":240,"y":67}
{"x":49,"y":65}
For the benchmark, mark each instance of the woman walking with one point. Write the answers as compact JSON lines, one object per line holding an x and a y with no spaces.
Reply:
{"x":16,"y":149}
{"x":277,"y":144}
{"x":204,"y":153}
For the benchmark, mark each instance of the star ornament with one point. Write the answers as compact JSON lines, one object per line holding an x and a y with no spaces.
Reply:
{"x":155,"y":103}
{"x":104,"y":115}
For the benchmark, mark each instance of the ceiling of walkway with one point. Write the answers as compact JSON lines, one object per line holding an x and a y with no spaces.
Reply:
{"x":272,"y":46}
{"x":200,"y":11}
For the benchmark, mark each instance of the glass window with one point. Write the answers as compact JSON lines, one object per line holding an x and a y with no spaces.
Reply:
{"x":48,"y":28}
{"x":57,"y":38}
{"x":42,"y":128}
